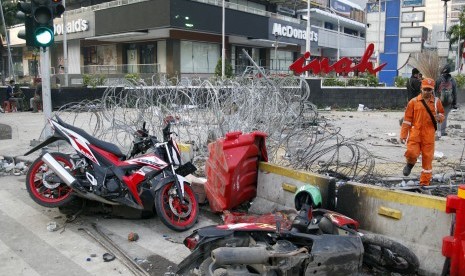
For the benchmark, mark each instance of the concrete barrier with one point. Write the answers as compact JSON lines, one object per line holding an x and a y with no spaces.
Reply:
{"x":418,"y":221}
{"x":277,"y":185}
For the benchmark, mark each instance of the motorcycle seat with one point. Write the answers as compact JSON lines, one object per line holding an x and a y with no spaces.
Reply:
{"x":98,"y":143}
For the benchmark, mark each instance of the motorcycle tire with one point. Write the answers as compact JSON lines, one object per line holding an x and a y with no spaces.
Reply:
{"x":204,"y":269}
{"x":386,"y":254}
{"x":172,"y":212}
{"x":47,"y":194}
{"x":208,"y":268}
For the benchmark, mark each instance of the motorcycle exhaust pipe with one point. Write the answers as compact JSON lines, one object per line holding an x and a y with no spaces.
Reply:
{"x":240,"y":255}
{"x":70,"y":180}
{"x":59,"y":170}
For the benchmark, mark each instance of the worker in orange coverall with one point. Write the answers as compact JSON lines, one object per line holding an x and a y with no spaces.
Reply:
{"x":420,"y":129}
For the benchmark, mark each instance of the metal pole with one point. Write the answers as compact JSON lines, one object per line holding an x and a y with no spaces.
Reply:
{"x":223,"y":52}
{"x":65,"y":46}
{"x":445,"y":19}
{"x":11,"y":70}
{"x":458,"y":48}
{"x":307,"y":46}
{"x":379,"y":33}
{"x":46,"y":92}
{"x":276,"y":51}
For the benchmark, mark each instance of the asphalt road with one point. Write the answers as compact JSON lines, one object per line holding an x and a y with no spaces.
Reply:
{"x":28,"y":248}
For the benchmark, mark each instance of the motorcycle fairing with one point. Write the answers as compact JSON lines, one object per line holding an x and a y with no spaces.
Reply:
{"x":248,"y":227}
{"x":49,"y":140}
{"x":338,"y":219}
{"x":78,"y":142}
{"x":150,"y":160}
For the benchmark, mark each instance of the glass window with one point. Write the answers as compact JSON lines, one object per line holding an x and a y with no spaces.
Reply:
{"x":280,"y":61}
{"x":197,"y":57}
{"x":90,"y":55}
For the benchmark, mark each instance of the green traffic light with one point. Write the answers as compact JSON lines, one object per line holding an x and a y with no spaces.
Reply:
{"x":44,"y":36}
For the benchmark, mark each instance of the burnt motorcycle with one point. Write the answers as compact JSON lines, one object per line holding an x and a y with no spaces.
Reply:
{"x":149,"y":178}
{"x":318,"y":242}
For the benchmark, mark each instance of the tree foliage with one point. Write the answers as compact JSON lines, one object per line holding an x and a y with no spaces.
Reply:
{"x":228,"y":70}
{"x":457,"y":32}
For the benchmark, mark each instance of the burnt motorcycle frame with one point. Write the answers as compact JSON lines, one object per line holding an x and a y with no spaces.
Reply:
{"x":335,"y":247}
{"x":339,"y":252}
{"x":104,"y":162}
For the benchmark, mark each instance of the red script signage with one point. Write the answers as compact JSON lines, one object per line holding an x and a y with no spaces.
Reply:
{"x":341,"y":66}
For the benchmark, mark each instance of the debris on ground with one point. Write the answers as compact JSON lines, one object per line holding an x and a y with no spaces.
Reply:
{"x":52,"y":226}
{"x":108,"y":257}
{"x":9,"y":167}
{"x":133,"y":236}
{"x":438,"y":155}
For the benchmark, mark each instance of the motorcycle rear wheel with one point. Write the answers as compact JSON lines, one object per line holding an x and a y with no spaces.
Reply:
{"x":386,"y":254}
{"x":46,"y":193}
{"x":172,"y":212}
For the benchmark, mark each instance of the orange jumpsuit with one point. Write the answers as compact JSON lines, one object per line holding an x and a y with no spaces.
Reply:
{"x":419,"y":128}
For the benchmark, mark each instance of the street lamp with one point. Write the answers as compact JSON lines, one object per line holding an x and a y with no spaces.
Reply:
{"x":338,"y":30}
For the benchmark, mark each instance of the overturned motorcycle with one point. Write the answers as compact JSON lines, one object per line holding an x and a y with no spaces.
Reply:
{"x":318,"y":242}
{"x":99,"y":171}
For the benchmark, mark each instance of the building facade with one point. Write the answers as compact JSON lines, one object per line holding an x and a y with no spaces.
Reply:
{"x":184,"y":38}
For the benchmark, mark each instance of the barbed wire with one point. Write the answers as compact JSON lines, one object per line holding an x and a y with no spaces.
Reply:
{"x":205,"y":110}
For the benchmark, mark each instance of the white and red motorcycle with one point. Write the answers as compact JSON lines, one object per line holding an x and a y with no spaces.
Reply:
{"x":99,"y":171}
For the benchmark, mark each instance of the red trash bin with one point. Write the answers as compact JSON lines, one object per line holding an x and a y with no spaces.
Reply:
{"x":232,"y":169}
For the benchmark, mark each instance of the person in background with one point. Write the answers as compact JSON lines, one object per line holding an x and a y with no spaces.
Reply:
{"x":413,"y":85}
{"x":11,"y":95}
{"x":446,"y":91}
{"x":37,"y":99}
{"x":419,"y":130}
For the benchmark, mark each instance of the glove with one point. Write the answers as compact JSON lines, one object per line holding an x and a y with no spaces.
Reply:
{"x":402,"y":141}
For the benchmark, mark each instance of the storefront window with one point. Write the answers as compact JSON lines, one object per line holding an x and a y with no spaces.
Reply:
{"x":199,"y":57}
{"x":90,"y":55}
{"x":280,"y":61}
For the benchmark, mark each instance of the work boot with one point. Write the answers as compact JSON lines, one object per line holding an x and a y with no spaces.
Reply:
{"x":408,"y":169}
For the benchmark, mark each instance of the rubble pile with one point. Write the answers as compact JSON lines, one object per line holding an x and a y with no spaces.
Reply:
{"x":9,"y":167}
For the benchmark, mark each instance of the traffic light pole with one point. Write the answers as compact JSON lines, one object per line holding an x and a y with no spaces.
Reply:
{"x":46,"y":91}
{"x":11,"y":69}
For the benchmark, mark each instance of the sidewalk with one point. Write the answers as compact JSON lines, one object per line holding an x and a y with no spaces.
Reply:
{"x":25,"y":127}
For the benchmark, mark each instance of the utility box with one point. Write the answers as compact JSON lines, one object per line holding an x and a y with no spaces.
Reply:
{"x":232,"y":169}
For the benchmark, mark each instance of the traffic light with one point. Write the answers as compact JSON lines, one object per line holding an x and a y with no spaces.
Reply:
{"x":24,"y":13}
{"x":57,"y":8}
{"x":42,"y":19}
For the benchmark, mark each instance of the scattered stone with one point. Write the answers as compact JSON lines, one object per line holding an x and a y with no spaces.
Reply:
{"x":410,"y":183}
{"x":52,"y":226}
{"x":8,"y":167}
{"x":133,"y":236}
{"x":93,"y":255}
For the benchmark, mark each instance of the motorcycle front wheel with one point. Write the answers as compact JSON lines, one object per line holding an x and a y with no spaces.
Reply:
{"x":44,"y":186}
{"x":174,"y":213}
{"x":386,"y":254}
